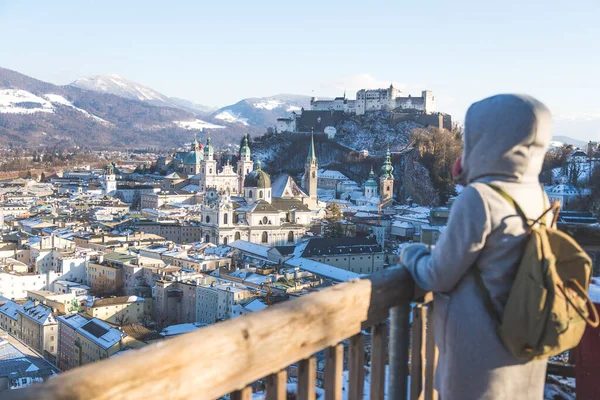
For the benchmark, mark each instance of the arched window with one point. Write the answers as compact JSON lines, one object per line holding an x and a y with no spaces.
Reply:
{"x":225,"y":240}
{"x":291,"y":237}
{"x":260,"y":194}
{"x":265,"y":220}
{"x":225,"y":218}
{"x":387,"y":189}
{"x":207,"y":219}
{"x":210,"y":171}
{"x":250,"y":193}
{"x":237,"y":236}
{"x":207,"y":238}
{"x":265,"y":237}
{"x":314,"y":174}
{"x":236,"y":218}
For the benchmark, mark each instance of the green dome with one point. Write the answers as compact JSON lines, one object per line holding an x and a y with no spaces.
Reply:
{"x":193,"y":157}
{"x":371,"y":181}
{"x":258,"y":179}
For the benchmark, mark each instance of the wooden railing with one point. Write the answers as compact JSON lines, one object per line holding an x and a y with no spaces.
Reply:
{"x":228,"y":357}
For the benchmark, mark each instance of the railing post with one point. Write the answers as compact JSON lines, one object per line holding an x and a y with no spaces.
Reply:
{"x":399,"y":341}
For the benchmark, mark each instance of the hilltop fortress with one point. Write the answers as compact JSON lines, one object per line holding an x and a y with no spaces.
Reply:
{"x":324,"y":115}
{"x":377,"y":99}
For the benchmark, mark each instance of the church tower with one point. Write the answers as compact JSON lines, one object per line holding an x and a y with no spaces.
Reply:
{"x":386,"y":181}
{"x":311,"y":168}
{"x":244,"y":166}
{"x":371,"y":185}
{"x":110,"y":182}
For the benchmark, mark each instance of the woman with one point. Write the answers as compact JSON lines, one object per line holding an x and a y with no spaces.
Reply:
{"x":505,"y":140}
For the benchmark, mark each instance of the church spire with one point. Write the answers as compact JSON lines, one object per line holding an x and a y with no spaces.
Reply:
{"x":386,"y":168}
{"x":311,"y":158}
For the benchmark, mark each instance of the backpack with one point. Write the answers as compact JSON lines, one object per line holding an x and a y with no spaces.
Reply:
{"x":547,"y":308}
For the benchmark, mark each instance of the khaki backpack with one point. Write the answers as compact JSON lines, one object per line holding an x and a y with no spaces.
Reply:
{"x":547,"y":308}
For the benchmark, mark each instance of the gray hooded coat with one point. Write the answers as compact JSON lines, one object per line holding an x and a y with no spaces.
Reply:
{"x":505,"y":140}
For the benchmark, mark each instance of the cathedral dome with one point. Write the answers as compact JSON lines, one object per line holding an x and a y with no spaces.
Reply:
{"x":192,"y":157}
{"x":258,"y":178}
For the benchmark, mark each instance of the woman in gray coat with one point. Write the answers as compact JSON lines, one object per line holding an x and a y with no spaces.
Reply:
{"x":505,"y":140}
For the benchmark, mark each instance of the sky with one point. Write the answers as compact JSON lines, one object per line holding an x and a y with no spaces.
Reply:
{"x":218,"y":52}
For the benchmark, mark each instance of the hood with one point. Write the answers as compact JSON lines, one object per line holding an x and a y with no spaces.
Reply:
{"x":506,"y":138}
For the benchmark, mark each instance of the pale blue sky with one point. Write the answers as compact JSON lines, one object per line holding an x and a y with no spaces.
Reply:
{"x":218,"y":52}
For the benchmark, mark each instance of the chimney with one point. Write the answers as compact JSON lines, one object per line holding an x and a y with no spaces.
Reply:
{"x":100,"y":258}
{"x":36,"y":303}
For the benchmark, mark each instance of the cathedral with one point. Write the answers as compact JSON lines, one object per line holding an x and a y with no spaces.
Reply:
{"x":202,"y":172}
{"x":258,"y":211}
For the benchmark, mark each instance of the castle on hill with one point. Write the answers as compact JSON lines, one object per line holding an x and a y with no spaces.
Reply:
{"x":386,"y":99}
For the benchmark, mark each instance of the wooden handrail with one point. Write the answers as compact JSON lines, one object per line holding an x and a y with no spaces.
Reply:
{"x":228,"y":356}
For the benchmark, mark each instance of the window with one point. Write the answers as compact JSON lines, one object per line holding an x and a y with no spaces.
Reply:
{"x":207,"y":219}
{"x":265,"y":220}
{"x":237,"y":236}
{"x":291,"y":237}
{"x":260,"y":194}
{"x":225,"y":219}
{"x":250,"y":193}
{"x":207,"y":238}
{"x":265,"y":237}
{"x":225,"y":240}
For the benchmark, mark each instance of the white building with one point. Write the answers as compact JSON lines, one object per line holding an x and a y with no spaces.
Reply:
{"x":377,"y":99}
{"x":565,"y":194}
{"x":216,"y":302}
{"x":14,"y":285}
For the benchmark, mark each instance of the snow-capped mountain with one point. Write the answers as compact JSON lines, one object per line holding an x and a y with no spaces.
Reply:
{"x":34,"y":113}
{"x":119,"y":86}
{"x":261,"y":111}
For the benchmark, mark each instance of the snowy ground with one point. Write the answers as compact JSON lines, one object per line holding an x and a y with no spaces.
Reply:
{"x":16,"y":101}
{"x":197,"y":124}
{"x":559,"y":176}
{"x":228,"y":116}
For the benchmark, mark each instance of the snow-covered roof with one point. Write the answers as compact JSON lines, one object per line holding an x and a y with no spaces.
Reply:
{"x":100,"y":333}
{"x":332,"y":174}
{"x":251,"y":248}
{"x":10,"y":309}
{"x":566,"y":189}
{"x":403,"y":224}
{"x":39,"y":313}
{"x":180,"y":329}
{"x":75,"y":321}
{"x":255,"y":305}
{"x":322,"y":269}
{"x":191,"y":188}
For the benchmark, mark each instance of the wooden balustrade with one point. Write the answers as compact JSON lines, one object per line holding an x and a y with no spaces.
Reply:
{"x":226,"y":358}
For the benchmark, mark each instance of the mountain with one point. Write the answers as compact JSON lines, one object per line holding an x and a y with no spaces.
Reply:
{"x":119,"y":86}
{"x":569,"y":140}
{"x":33,"y":113}
{"x":261,"y":111}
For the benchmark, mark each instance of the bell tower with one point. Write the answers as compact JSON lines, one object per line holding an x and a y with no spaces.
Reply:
{"x":110,"y":183}
{"x":311,"y":168}
{"x":386,"y":181}
{"x":244,"y":165}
